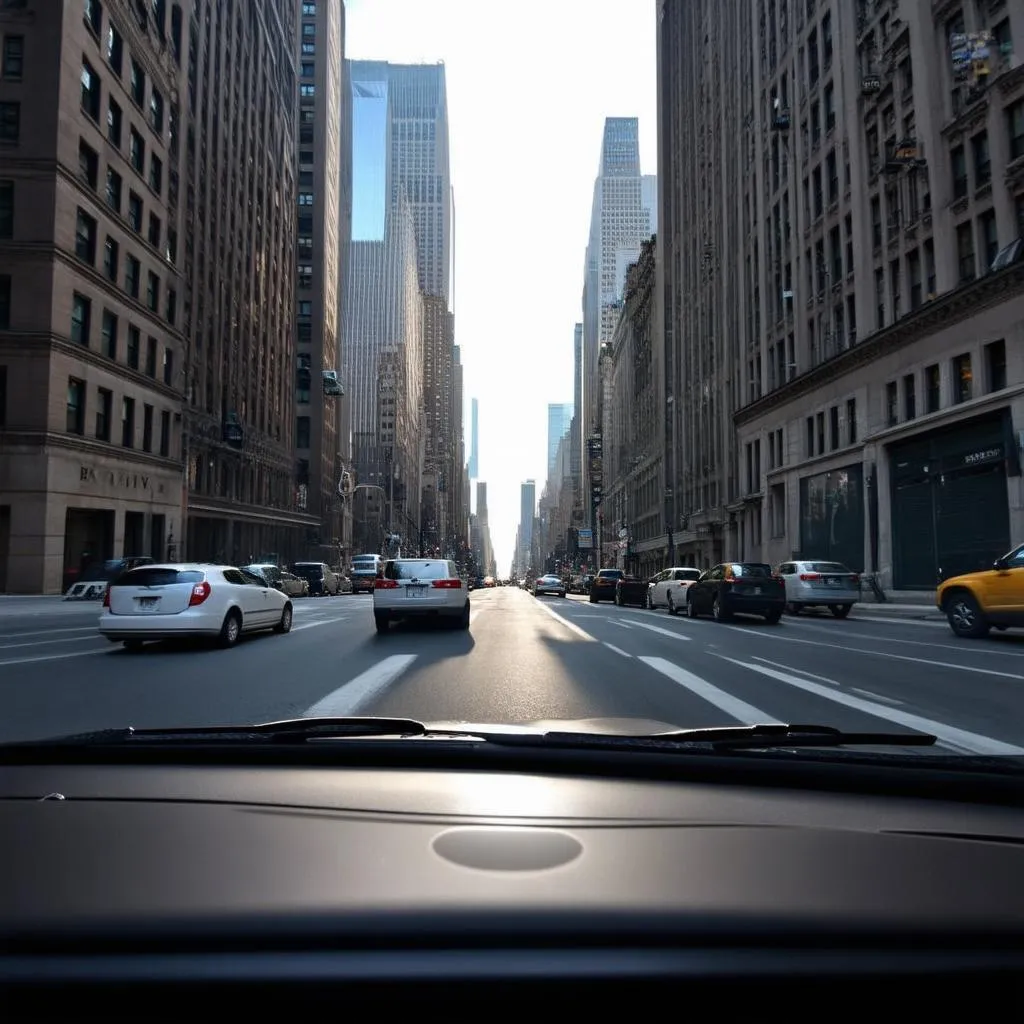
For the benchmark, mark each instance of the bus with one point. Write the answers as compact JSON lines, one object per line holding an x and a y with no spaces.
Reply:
{"x":364,"y":572}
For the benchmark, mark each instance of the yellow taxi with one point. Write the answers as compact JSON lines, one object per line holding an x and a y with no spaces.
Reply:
{"x":976,"y":602}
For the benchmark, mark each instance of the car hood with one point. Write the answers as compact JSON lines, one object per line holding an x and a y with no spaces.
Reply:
{"x":599,"y":726}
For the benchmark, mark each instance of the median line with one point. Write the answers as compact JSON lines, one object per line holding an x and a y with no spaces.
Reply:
{"x":582,"y":634}
{"x":354,"y":695}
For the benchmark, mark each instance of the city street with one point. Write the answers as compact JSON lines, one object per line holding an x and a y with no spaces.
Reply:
{"x":523,"y":660}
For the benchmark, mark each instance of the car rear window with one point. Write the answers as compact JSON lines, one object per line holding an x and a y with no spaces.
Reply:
{"x":416,"y":570}
{"x":827,"y":567}
{"x":754,"y":570}
{"x":158,"y":577}
{"x":308,"y":569}
{"x":610,"y":573}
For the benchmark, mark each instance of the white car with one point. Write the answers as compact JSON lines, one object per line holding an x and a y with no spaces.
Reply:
{"x":549,"y":585}
{"x":160,"y":602}
{"x":668,"y":588}
{"x":409,"y":588}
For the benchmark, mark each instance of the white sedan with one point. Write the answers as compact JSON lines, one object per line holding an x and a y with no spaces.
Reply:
{"x":410,"y":588}
{"x":161,"y":602}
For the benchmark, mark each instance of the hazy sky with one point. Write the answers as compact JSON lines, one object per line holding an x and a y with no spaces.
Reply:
{"x":529,"y":86}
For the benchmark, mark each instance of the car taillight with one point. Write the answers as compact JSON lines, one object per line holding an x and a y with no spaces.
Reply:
{"x":855,"y":580}
{"x":810,"y":576}
{"x":448,"y":584}
{"x":200,"y":592}
{"x":106,"y":598}
{"x":778,"y":578}
{"x":381,"y":584}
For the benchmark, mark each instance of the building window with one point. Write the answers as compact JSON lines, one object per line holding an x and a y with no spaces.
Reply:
{"x":104,"y":410}
{"x":151,"y":347}
{"x":833,"y":425}
{"x":309,"y":8}
{"x":110,"y":258}
{"x":172,"y":306}
{"x":135,"y":212}
{"x":995,"y":365}
{"x":156,"y":111}
{"x":958,"y":169}
{"x":85,"y":237}
{"x":1015,"y":128}
{"x":982,"y":163}
{"x":10,"y":122}
{"x":965,"y":252}
{"x":933,"y":388}
{"x":302,"y":432}
{"x":909,"y":396}
{"x":114,"y":119}
{"x":136,"y":150}
{"x":154,"y":230}
{"x":114,"y":185}
{"x":962,"y":378}
{"x":132,"y":276}
{"x":5,"y":302}
{"x":115,"y":50}
{"x":989,"y":236}
{"x":138,"y":83}
{"x":153,"y":292}
{"x":90,"y":91}
{"x":168,"y":368}
{"x":156,"y":174}
{"x":305,"y":199}
{"x":88,"y":164}
{"x":92,"y":15}
{"x":128,"y":422}
{"x":305,"y":273}
{"x":307,"y":91}
{"x":809,"y":437}
{"x":108,"y":333}
{"x":75,"y":413}
{"x":131,"y":355}
{"x":81,"y":315}
{"x":165,"y":433}
{"x":14,"y":57}
{"x":851,"y":420}
{"x":6,"y":209}
{"x":147,"y":428}
{"x":892,"y":406}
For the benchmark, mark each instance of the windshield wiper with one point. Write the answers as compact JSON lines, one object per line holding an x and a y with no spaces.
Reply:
{"x":289,"y":730}
{"x":754,"y":737}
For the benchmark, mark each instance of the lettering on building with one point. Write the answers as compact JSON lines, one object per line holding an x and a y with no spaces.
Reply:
{"x":118,"y":479}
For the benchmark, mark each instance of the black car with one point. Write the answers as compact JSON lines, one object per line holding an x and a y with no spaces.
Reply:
{"x":604,"y":584}
{"x":746,"y":587}
{"x":631,"y":590}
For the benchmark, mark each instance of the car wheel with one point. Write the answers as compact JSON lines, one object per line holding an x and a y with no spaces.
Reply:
{"x":773,"y":617}
{"x":285,"y":625}
{"x":672,"y":610}
{"x":840,"y":611}
{"x":463,"y":620}
{"x":231,"y":629}
{"x":965,"y":616}
{"x":381,"y":621}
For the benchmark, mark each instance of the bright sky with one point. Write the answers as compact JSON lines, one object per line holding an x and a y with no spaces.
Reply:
{"x":529,"y":86}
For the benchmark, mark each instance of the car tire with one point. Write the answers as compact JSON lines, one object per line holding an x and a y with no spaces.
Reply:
{"x":773,"y":617}
{"x":463,"y":620}
{"x":840,"y":611}
{"x":231,"y":629}
{"x":285,"y":625}
{"x":382,"y":622}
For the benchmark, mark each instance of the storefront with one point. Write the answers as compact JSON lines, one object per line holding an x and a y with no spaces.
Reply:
{"x":68,"y":510}
{"x":948,"y":494}
{"x":832,"y":516}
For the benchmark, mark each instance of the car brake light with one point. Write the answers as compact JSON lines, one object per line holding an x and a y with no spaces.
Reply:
{"x":448,"y":584}
{"x":200,"y":592}
{"x":855,"y":579}
{"x":382,"y":584}
{"x":106,"y":597}
{"x":810,"y":576}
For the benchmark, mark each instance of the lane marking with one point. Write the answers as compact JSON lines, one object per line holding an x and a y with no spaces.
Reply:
{"x":960,"y":648}
{"x":568,"y":625}
{"x":878,"y":696}
{"x":619,"y":622}
{"x":56,"y":657}
{"x":972,"y":741}
{"x":738,"y":709}
{"x":768,"y":635}
{"x":44,"y":643}
{"x":617,"y":650}
{"x":318,"y":622}
{"x":350,"y":697}
{"x":48,"y":632}
{"x":799,"y":671}
{"x":662,"y":630}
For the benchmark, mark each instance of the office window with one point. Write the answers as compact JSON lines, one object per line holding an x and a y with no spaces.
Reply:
{"x":147,"y":428}
{"x":104,"y":410}
{"x":963,"y":378}
{"x":85,"y":237}
{"x":851,"y":420}
{"x":10,"y":122}
{"x":154,"y":230}
{"x":114,"y":187}
{"x":133,"y":347}
{"x":892,"y":405}
{"x":302,"y":432}
{"x":128,"y":422}
{"x":88,"y":164}
{"x":92,"y":15}
{"x":136,"y":150}
{"x":110,"y":258}
{"x":115,"y":50}
{"x":156,"y":111}
{"x":114,"y":120}
{"x":165,"y":433}
{"x":135,"y":212}
{"x":81,"y":316}
{"x":75,"y":412}
{"x":933,"y":388}
{"x":833,"y":428}
{"x":909,"y":396}
{"x":138,"y":83}
{"x":109,"y":334}
{"x":153,"y":291}
{"x":90,"y":91}
{"x":151,"y":346}
{"x":14,"y":57}
{"x":156,"y":174}
{"x":995,"y":365}
{"x":6,"y":209}
{"x":132,"y":276}
{"x":168,"y":368}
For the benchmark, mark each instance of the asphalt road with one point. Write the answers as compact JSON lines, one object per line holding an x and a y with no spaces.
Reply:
{"x":522,"y":660}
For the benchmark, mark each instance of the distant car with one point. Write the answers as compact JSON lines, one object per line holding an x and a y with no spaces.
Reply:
{"x":602,"y":586}
{"x":631,"y":590}
{"x":160,"y":602}
{"x":745,"y":587}
{"x":549,"y":585}
{"x":409,"y":588}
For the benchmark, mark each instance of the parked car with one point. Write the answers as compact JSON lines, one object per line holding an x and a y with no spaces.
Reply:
{"x":602,"y":586}
{"x":631,"y":590}
{"x":811,"y":584}
{"x":746,"y":587}
{"x":668,"y":588}
{"x":549,"y":584}
{"x":323,"y":580}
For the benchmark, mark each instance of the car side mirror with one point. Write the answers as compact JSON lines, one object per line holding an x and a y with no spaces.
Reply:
{"x":1001,"y":564}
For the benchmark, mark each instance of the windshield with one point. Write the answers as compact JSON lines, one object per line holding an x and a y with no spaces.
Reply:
{"x":632,"y":359}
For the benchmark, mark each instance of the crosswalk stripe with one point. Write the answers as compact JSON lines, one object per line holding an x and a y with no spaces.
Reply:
{"x":738,"y":709}
{"x":972,"y":741}
{"x":364,"y":688}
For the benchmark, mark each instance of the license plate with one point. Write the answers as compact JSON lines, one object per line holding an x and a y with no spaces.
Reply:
{"x":757,"y":590}
{"x":834,"y":581}
{"x":148,"y":602}
{"x":415,"y":592}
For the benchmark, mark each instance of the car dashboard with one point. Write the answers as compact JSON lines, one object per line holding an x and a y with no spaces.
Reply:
{"x":497,"y":893}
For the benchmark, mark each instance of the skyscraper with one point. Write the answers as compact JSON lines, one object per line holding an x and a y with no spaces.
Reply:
{"x":474,"y":439}
{"x":322,"y":232}
{"x":559,"y":421}
{"x":527,"y":507}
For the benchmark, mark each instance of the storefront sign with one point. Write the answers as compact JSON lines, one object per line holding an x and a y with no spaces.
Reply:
{"x":119,"y":479}
{"x":983,"y":455}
